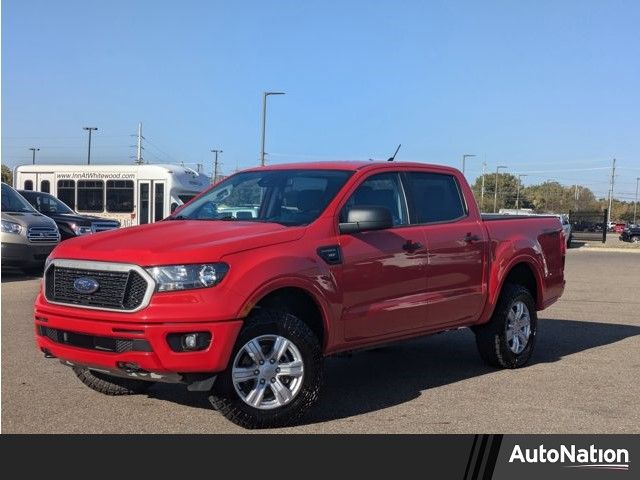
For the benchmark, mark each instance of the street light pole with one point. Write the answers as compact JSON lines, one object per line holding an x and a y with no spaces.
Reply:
{"x":635,"y":205}
{"x":495,"y":193}
{"x":264,"y":121}
{"x":214,"y":178}
{"x":464,"y":161}
{"x":518,"y":191}
{"x":34,"y":150}
{"x":89,"y":150}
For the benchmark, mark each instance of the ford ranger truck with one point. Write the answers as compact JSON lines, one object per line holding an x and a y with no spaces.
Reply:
{"x":245,"y":289}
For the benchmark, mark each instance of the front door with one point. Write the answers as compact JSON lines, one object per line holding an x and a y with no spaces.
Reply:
{"x":144,"y":202}
{"x":160,"y":197}
{"x":456,"y":243}
{"x":384,"y":270}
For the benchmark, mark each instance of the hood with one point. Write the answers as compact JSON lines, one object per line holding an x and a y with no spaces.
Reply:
{"x":176,"y":241}
{"x":79,"y":219}
{"x":28,"y":219}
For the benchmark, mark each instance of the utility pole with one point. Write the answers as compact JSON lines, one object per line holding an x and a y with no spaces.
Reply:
{"x":613,"y":176}
{"x":139,"y":147}
{"x":34,"y":150}
{"x":264,"y":121}
{"x":518,"y":192}
{"x":90,"y":129}
{"x":576,"y":196}
{"x":635,"y":205}
{"x":214,"y":178}
{"x":484,"y":166}
{"x":495,"y":193}
{"x":464,"y":161}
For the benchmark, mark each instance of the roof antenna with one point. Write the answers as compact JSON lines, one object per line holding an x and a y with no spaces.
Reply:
{"x":391,"y":159}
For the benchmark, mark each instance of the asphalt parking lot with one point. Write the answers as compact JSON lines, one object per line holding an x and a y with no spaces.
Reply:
{"x":585,"y":375}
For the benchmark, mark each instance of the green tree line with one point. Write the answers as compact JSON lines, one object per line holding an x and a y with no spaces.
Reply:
{"x":546,"y":197}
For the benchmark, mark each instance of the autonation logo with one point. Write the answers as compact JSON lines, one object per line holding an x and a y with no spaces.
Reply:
{"x":573,"y":457}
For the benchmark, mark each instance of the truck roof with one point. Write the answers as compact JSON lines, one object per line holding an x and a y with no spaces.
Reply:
{"x":351,"y":165}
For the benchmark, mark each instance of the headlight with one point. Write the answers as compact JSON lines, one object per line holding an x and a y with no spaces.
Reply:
{"x":79,"y":230}
{"x":10,"y":227}
{"x":185,"y":277}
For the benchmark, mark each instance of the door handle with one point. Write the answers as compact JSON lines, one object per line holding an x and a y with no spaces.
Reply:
{"x":471,"y":238}
{"x":411,"y":246}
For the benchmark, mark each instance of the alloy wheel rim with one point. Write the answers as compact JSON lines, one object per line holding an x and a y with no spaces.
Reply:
{"x":518,"y":327}
{"x":267,"y":372}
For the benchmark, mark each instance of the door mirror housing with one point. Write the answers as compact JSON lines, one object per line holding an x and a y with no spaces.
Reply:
{"x":174,"y":206}
{"x":364,"y":218}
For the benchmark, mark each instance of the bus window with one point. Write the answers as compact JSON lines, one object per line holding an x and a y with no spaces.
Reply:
{"x":159,"y":202}
{"x":45,"y":186}
{"x":90,"y":195}
{"x":67,"y":192}
{"x":120,"y":196}
{"x":28,"y":185}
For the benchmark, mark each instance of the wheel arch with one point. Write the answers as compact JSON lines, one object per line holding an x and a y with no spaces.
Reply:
{"x":297,"y":299}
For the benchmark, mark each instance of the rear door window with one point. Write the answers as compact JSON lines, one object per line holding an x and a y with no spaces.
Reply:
{"x":434,"y":197}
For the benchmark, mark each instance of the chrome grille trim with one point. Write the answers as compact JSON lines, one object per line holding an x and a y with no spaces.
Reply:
{"x":43,"y":235}
{"x":104,"y":266}
{"x":97,"y":227}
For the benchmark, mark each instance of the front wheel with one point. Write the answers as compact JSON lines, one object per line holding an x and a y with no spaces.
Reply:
{"x":274,"y":374}
{"x":508,"y":339}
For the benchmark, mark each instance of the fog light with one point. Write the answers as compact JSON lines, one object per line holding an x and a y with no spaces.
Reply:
{"x":189,"y":342}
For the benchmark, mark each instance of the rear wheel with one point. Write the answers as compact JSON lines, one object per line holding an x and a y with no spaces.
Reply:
{"x":109,"y":384}
{"x":274,"y":374}
{"x":508,"y":339}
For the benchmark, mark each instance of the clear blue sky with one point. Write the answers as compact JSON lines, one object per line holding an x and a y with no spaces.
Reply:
{"x":550,"y":87}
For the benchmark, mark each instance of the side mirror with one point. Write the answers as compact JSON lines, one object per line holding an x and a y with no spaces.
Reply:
{"x":361,"y":219}
{"x":174,"y":205}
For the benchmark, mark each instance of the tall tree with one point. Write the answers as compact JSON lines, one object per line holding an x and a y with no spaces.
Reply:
{"x":7,"y":175}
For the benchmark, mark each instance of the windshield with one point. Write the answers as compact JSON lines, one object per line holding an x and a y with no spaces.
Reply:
{"x":12,"y":201}
{"x":47,"y":204}
{"x":288,"y":197}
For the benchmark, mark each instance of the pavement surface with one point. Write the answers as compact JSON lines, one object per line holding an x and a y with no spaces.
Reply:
{"x":584,"y":375}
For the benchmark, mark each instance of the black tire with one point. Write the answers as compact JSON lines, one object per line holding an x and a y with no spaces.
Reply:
{"x":110,"y":385}
{"x":491,"y":338}
{"x":262,"y":321}
{"x":635,"y":239}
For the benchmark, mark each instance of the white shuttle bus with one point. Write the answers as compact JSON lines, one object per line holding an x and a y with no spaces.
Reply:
{"x":131,"y":194}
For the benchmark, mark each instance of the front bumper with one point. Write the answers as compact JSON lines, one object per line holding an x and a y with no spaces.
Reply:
{"x":25,"y":255}
{"x":155,"y":357}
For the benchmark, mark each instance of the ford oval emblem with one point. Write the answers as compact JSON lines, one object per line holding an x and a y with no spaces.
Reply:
{"x":86,"y":285}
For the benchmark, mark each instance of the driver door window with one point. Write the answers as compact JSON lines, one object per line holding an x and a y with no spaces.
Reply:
{"x":381,"y":190}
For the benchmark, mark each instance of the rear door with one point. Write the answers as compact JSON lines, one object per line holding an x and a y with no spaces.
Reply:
{"x":384,"y":270}
{"x":456,"y":244}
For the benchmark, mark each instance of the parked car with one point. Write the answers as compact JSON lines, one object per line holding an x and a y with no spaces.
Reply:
{"x":327,"y":258}
{"x":619,"y":227}
{"x":71,"y":224}
{"x":631,"y":234}
{"x":27,"y":236}
{"x":566,"y":228}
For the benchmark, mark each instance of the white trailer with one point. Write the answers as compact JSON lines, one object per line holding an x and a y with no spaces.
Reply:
{"x":131,"y":194}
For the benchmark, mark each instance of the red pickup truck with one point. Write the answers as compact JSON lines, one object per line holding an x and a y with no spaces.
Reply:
{"x":244,"y":290}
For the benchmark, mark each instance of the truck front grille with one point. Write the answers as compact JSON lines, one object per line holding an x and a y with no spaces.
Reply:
{"x":92,"y":342}
{"x":43,"y":235}
{"x":97,"y":227}
{"x":117,"y":290}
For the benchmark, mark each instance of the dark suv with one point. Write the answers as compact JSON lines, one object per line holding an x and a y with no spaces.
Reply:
{"x":70,"y":223}
{"x":631,"y":234}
